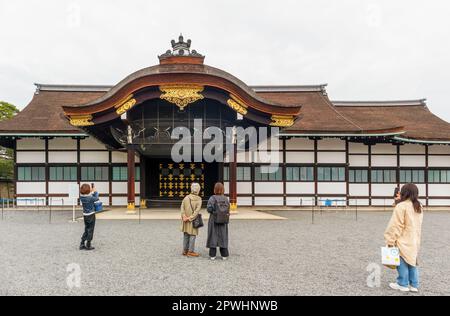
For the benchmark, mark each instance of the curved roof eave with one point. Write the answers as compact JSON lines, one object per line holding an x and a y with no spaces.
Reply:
{"x":182,"y":74}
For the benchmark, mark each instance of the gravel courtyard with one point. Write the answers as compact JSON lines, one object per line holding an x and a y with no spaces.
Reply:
{"x":291,"y":257}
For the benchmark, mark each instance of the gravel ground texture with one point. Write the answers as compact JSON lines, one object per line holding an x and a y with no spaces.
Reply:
{"x":291,"y":257}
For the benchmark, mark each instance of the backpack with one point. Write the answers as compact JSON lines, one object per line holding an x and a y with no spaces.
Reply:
{"x":221,"y":211}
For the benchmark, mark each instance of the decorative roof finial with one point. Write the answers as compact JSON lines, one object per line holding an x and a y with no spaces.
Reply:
{"x":181,"y":49}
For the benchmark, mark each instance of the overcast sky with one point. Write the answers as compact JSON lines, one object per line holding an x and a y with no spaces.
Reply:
{"x":364,"y":49}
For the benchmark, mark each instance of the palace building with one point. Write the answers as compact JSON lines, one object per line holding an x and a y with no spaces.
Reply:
{"x":119,"y":137}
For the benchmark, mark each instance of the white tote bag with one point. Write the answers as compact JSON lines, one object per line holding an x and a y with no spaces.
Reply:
{"x":390,"y":257}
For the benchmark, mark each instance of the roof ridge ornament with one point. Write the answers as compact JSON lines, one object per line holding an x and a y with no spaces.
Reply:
{"x":181,"y":53}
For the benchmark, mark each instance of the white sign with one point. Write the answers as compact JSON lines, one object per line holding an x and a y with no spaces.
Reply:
{"x":74,"y":191}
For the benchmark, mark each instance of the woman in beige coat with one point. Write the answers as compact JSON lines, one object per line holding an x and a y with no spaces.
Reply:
{"x":190,"y":209}
{"x":404,"y":231}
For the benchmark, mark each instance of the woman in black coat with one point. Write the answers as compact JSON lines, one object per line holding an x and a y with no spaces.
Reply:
{"x":218,"y":233}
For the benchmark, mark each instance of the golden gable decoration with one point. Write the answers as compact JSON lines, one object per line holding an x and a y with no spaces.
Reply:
{"x":182,"y":95}
{"x":81,"y":120}
{"x":126,"y":105}
{"x":282,"y":121}
{"x":237,"y":105}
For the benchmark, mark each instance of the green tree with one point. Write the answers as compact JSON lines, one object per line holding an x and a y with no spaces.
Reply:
{"x":7,"y":111}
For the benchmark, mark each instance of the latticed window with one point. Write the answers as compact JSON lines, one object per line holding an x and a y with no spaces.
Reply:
{"x":243,"y":174}
{"x":358,"y":176}
{"x":94,"y":173}
{"x":31,"y":174}
{"x":412,"y":176}
{"x":120,"y":173}
{"x":63,"y":173}
{"x":384,"y":176}
{"x":297,"y":174}
{"x":439,"y":176}
{"x":331,"y":174}
{"x":267,"y":173}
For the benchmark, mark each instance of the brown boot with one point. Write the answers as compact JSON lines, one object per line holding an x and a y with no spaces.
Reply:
{"x":193,"y":254}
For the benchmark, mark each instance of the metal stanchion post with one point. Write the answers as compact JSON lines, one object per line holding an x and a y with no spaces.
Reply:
{"x":3,"y":206}
{"x":356,"y":210}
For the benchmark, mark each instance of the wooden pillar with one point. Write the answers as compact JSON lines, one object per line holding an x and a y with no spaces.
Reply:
{"x":131,"y":180}
{"x":233,"y":179}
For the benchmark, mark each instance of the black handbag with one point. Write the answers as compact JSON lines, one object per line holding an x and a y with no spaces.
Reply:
{"x":198,"y":221}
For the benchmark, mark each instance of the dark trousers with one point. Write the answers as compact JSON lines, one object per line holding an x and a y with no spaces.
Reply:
{"x":223,"y":252}
{"x":89,"y":226}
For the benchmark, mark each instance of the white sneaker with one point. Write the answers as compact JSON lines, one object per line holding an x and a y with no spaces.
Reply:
{"x":397,"y":287}
{"x":213,"y":258}
{"x":413,"y":289}
{"x":224,"y":258}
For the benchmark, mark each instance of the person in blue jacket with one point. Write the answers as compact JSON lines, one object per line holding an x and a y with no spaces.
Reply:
{"x":88,"y":197}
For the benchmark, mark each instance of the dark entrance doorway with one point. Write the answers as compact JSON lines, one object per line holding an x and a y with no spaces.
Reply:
{"x":167,"y":183}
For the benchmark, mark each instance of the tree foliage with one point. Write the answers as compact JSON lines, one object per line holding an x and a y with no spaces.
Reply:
{"x":7,"y":111}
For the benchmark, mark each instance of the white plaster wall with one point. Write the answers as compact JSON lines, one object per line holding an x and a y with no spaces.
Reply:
{"x":383,"y":189}
{"x":412,"y":161}
{"x":359,"y":202}
{"x":332,"y":188}
{"x":91,"y":144}
{"x":268,"y":187}
{"x":439,"y":202}
{"x":94,"y":157}
{"x":412,"y":149}
{"x":59,"y":187}
{"x":30,"y":187}
{"x":357,"y":148}
{"x":300,"y":201}
{"x":384,"y":149}
{"x":31,"y":144}
{"x":119,"y":188}
{"x":269,"y":201}
{"x":244,"y":187}
{"x":102,"y":187}
{"x":244,"y":201}
{"x":299,"y":144}
{"x":119,"y":157}
{"x":62,"y":157}
{"x":120,"y":201}
{"x":268,"y":157}
{"x":439,"y":149}
{"x":439,"y":190}
{"x":300,"y":157}
{"x":331,"y":144}
{"x":383,"y":202}
{"x":359,"y":161}
{"x":31,"y":157}
{"x":331,"y":157}
{"x":439,"y":161}
{"x":62,"y":144}
{"x":300,"y":188}
{"x":384,"y":161}
{"x":245,"y":157}
{"x":359,"y":189}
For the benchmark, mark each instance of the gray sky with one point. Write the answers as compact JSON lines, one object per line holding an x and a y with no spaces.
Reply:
{"x":364,"y":49}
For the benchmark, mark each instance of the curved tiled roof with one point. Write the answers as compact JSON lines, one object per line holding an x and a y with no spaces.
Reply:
{"x":410,"y":119}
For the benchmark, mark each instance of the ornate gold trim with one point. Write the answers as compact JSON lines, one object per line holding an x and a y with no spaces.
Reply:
{"x":81,"y":120}
{"x":125,"y":105}
{"x":237,"y":105}
{"x":182,"y":95}
{"x":282,"y":121}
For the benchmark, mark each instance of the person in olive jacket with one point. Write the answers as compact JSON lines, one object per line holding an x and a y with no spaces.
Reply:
{"x":190,"y":209}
